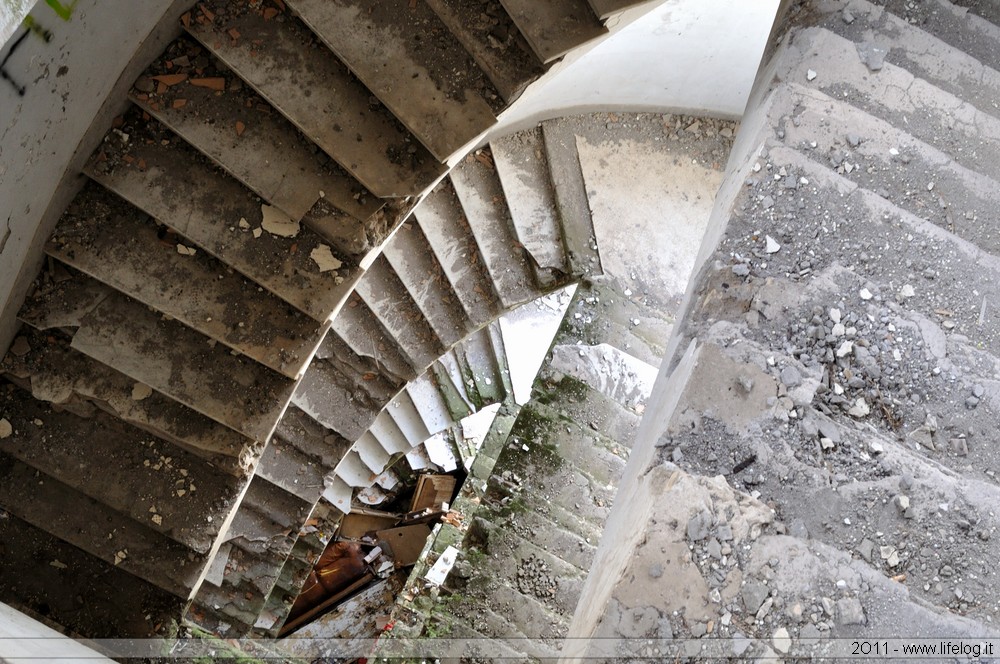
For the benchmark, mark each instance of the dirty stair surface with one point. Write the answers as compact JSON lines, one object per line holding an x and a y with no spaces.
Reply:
{"x":233,"y":218}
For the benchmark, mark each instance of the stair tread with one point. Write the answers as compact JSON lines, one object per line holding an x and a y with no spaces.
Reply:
{"x":181,"y":189}
{"x":827,"y":121}
{"x":494,"y":43}
{"x":119,"y":604}
{"x":476,"y":352}
{"x":605,"y":8}
{"x":329,"y":397}
{"x":921,"y":52}
{"x":175,"y":360}
{"x":407,"y":418}
{"x":429,"y":403}
{"x":117,"y":245}
{"x":974,"y":140}
{"x":389,"y":300}
{"x":414,"y":263}
{"x":957,"y":26}
{"x":102,"y":532}
{"x":338,"y":113}
{"x":554,"y":27}
{"x":443,"y":223}
{"x":236,"y":128}
{"x":366,"y":336}
{"x":450,"y":370}
{"x":388,"y":434}
{"x":288,"y":467}
{"x":149,"y":479}
{"x":524,"y":173}
{"x":311,"y":438}
{"x":56,"y":373}
{"x":570,"y":192}
{"x":353,"y":470}
{"x":374,"y":456}
{"x":482,"y":198}
{"x":369,"y":382}
{"x":433,"y":86}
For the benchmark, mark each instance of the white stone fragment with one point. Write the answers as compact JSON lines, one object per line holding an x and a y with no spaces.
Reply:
{"x":324,"y":258}
{"x":865,"y":294}
{"x":860,"y":409}
{"x":772,"y":246}
{"x":277,"y":222}
{"x":907,"y":291}
{"x":810,"y":75}
{"x":845,"y":349}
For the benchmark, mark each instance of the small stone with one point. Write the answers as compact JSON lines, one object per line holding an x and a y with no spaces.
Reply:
{"x":978,"y":391}
{"x":244,"y":224}
{"x":5,"y":428}
{"x":847,"y":17}
{"x":257,"y":232}
{"x":902,"y":503}
{"x":859,"y":409}
{"x":872,"y":54}
{"x":865,"y":294}
{"x":765,"y":608}
{"x":907,"y":291}
{"x":185,"y":250}
{"x":850,"y":612}
{"x":971,"y":402}
{"x":699,"y":526}
{"x":810,"y":75}
{"x":141,"y":391}
{"x":771,"y":245}
{"x":845,"y":349}
{"x":20,"y":347}
{"x":157,"y":519}
{"x":835,"y":315}
{"x":741,"y":270}
{"x":656,"y":571}
{"x":853,"y":140}
{"x":753,"y":593}
{"x":838,"y":330}
{"x":791,"y":377}
{"x":58,"y":564}
{"x":781,"y":640}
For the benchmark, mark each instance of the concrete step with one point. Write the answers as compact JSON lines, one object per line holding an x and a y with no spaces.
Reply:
{"x":285,"y":465}
{"x":524,"y":173}
{"x":97,"y":529}
{"x":527,"y":614}
{"x":493,"y":41}
{"x":571,"y":199}
{"x":406,"y":416}
{"x":372,"y":454}
{"x":430,"y":404}
{"x":917,"y":50}
{"x":953,"y":24}
{"x":389,"y":435}
{"x":389,"y":300}
{"x":445,"y":227}
{"x":372,"y":383}
{"x":158,"y":485}
{"x":500,"y":353}
{"x":414,"y":263}
{"x":478,"y":187}
{"x":171,"y":358}
{"x":556,"y":27}
{"x":920,"y":179}
{"x":588,"y":407}
{"x":118,"y":603}
{"x":354,"y":471}
{"x":311,"y":438}
{"x":172,"y":182}
{"x":331,"y":398}
{"x":573,"y":443}
{"x":433,"y":86}
{"x":228,"y":621}
{"x":238,"y":130}
{"x":459,"y":392}
{"x":113,"y":242}
{"x":57,"y":374}
{"x":970,"y":136}
{"x":606,"y":8}
{"x":476,"y":354}
{"x":358,"y":326}
{"x":338,"y":112}
{"x":548,"y":535}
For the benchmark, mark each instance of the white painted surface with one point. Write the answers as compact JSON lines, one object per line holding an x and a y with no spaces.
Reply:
{"x":24,"y":639}
{"x":527,"y":334}
{"x":639,"y":190}
{"x":696,"y":56}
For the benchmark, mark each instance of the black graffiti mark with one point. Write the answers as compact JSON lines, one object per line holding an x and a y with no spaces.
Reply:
{"x":3,"y":72}
{"x":6,"y":236}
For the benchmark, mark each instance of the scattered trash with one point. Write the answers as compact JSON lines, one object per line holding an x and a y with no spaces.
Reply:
{"x":438,"y":573}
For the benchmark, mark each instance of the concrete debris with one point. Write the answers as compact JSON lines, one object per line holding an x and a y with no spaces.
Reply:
{"x":771,"y":245}
{"x":323,"y":256}
{"x":5,"y":428}
{"x":20,"y":347}
{"x":277,"y":222}
{"x":141,"y":391}
{"x":872,"y":54}
{"x":184,"y":250}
